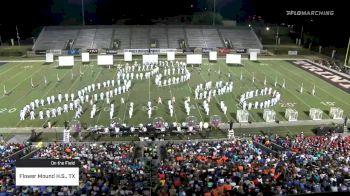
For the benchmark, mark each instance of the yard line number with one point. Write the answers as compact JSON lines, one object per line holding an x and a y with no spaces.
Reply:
{"x":327,"y":103}
{"x":287,"y":105}
{"x":5,"y":110}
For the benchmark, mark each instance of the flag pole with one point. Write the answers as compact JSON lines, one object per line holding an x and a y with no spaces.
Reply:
{"x":83,"y":11}
{"x":347,"y":55}
{"x":19,"y":44}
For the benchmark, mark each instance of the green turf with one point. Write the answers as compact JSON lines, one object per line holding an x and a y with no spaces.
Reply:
{"x":16,"y":77}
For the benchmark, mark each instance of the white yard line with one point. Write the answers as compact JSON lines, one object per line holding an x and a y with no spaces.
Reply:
{"x":71,"y":86}
{"x":21,"y":61}
{"x":25,"y":80}
{"x":13,"y":76}
{"x":126,"y":105}
{"x":44,"y":95}
{"x":217,"y":101}
{"x":320,"y":87}
{"x":97,"y":75}
{"x":102,"y":109}
{"x":255,"y":86}
{"x":247,"y":87}
{"x":189,"y":87}
{"x":149,"y":89}
{"x":11,"y":68}
{"x":171,"y":94}
{"x":53,"y":86}
{"x":290,"y":91}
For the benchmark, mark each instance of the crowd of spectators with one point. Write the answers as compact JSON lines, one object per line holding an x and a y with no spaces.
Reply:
{"x":8,"y":149}
{"x":232,"y":167}
{"x":106,"y":169}
{"x":308,"y":165}
{"x":333,"y":65}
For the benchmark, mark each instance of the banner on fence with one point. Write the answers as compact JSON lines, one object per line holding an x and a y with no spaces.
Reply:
{"x":55,"y":52}
{"x":111,"y":51}
{"x":92,"y":51}
{"x":241,"y":50}
{"x":74,"y":51}
{"x":292,"y":52}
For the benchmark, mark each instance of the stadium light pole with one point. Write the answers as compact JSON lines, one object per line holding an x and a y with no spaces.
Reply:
{"x":347,"y":55}
{"x":276,"y":36}
{"x":83,"y":11}
{"x":214,"y":12}
{"x":33,"y":41}
{"x":0,"y":36}
{"x":301,"y":34}
{"x":18,"y":36}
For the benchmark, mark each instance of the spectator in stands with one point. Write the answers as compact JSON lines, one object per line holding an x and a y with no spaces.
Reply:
{"x":8,"y":149}
{"x":204,"y":167}
{"x":106,"y":169}
{"x":236,"y":167}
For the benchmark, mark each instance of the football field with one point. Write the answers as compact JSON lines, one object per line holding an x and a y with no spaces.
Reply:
{"x":16,"y":79}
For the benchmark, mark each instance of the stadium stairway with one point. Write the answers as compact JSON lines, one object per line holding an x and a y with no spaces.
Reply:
{"x":29,"y":150}
{"x":221,"y":37}
{"x":167,"y":37}
{"x":19,"y":139}
{"x":151,"y":160}
{"x":185,"y":36}
{"x":265,"y":148}
{"x":76,"y":37}
{"x":111,"y":44}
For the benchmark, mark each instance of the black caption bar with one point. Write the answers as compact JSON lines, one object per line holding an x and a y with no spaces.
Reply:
{"x":48,"y":163}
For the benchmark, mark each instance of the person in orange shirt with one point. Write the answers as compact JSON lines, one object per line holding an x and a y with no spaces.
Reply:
{"x":266,"y":171}
{"x":220,"y":189}
{"x":240,"y":168}
{"x":207,"y":194}
{"x":215,"y":192}
{"x":227,"y":187}
{"x":178,"y":158}
{"x":219,"y":161}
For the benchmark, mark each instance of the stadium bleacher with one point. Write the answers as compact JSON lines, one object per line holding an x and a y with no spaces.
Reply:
{"x":257,"y":165}
{"x":174,"y":35}
{"x":195,"y":37}
{"x":241,"y":38}
{"x":160,"y":34}
{"x":123,"y":34}
{"x":85,"y":39}
{"x":139,"y":37}
{"x":55,"y":38}
{"x":103,"y":38}
{"x":212,"y":38}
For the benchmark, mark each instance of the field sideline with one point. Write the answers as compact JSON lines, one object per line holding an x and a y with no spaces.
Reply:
{"x":16,"y":77}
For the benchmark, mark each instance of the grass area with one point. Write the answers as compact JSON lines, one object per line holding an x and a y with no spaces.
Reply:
{"x":14,"y":50}
{"x":17,"y":76}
